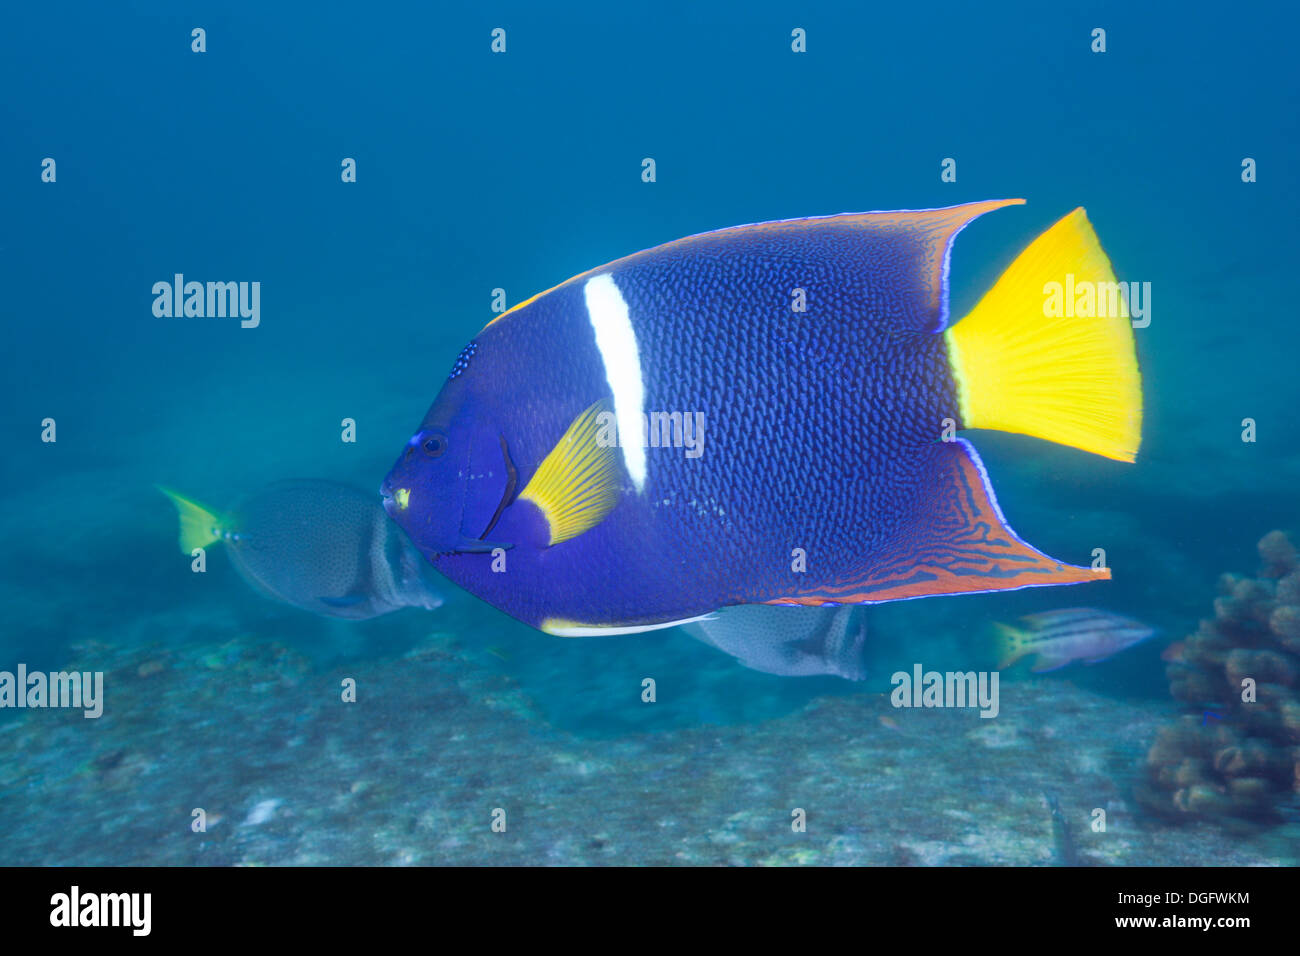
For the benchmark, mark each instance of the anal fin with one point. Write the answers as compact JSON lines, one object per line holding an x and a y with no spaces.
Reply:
{"x":955,"y":542}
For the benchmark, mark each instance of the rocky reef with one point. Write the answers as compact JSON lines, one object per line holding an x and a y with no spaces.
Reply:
{"x":441,"y":734}
{"x":1237,"y":755}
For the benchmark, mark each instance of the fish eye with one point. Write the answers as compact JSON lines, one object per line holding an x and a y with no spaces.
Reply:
{"x":434,"y":445}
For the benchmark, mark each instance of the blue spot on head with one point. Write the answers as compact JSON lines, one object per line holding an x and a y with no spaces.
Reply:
{"x":462,"y":360}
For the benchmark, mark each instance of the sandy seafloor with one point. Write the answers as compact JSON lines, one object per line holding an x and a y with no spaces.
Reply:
{"x":217,"y":699}
{"x":221,"y":700}
{"x":253,"y":732}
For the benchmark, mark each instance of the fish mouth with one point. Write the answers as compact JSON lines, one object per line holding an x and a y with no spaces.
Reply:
{"x":396,"y":500}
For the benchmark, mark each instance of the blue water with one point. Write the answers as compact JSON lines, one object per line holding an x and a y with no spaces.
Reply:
{"x":478,"y":170}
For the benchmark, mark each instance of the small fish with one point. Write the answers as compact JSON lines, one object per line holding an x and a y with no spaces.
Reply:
{"x":1064,"y":852}
{"x":1174,"y":651}
{"x":789,"y":641}
{"x":1058,"y":638}
{"x":321,"y":546}
{"x":655,"y":438}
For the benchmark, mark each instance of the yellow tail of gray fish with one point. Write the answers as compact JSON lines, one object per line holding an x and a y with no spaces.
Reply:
{"x":321,"y":546}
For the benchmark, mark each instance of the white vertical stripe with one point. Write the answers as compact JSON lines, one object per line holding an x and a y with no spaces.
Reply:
{"x":607,"y":311}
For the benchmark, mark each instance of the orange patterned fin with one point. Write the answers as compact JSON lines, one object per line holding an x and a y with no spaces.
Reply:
{"x":936,"y":228}
{"x":958,"y":544}
{"x":929,"y":231}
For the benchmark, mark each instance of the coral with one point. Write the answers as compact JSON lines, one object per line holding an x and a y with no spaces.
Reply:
{"x":1238,"y":755}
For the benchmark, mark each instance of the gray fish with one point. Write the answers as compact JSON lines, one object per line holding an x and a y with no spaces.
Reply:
{"x":1057,"y":638}
{"x":321,"y":546}
{"x":789,"y":641}
{"x":1064,"y":852}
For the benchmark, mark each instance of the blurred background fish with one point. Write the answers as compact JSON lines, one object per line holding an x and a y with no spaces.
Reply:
{"x":1064,"y":850}
{"x":1058,"y":638}
{"x":321,"y":546}
{"x":789,"y":641}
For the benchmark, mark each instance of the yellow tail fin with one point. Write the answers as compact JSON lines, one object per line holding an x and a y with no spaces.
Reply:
{"x":1025,"y":361}
{"x":199,"y":526}
{"x":1011,"y":644}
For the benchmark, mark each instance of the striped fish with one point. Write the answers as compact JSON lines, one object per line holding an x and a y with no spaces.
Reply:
{"x":1058,"y":638}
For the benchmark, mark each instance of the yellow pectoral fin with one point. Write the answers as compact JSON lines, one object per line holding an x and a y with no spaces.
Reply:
{"x":199,"y":526}
{"x":1049,"y":349}
{"x":576,"y":485}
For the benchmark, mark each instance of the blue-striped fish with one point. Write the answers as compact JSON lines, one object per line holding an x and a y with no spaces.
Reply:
{"x":1057,"y":638}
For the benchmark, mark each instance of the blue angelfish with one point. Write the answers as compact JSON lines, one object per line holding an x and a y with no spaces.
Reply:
{"x":764,"y":414}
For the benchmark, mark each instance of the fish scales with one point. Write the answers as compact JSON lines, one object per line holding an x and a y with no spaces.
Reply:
{"x":761,"y":375}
